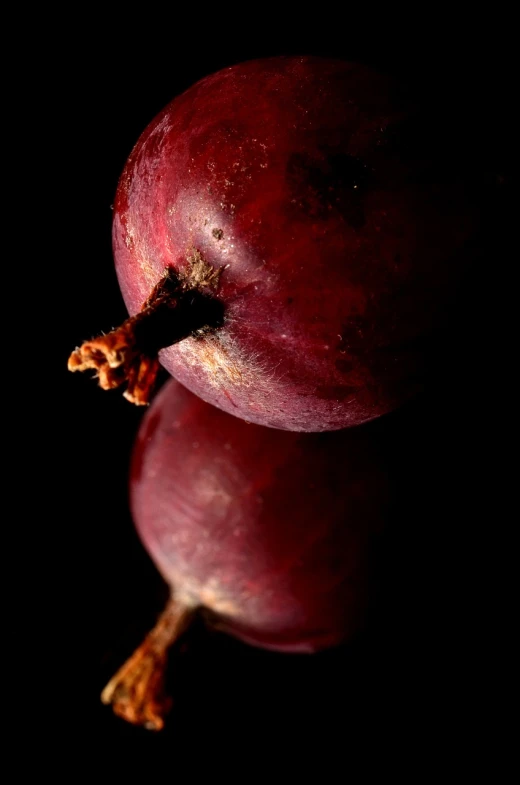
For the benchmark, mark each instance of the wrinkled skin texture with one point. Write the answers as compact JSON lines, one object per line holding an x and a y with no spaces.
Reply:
{"x":270,"y":531}
{"x":340,"y":219}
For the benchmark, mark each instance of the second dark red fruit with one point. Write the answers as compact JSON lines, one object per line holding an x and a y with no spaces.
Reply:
{"x":267,"y":534}
{"x":267,"y":530}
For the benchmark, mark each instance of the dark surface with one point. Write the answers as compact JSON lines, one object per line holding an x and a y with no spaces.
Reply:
{"x":428,"y":677}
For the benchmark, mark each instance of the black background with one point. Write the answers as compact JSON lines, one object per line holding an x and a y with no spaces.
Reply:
{"x":428,"y":678}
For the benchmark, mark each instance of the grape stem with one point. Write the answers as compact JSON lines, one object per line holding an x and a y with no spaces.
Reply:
{"x":179,"y":306}
{"x":136,"y":692}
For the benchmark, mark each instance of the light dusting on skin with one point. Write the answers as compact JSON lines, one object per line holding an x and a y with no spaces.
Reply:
{"x":225,"y":365}
{"x":210,"y":493}
{"x":221,"y":362}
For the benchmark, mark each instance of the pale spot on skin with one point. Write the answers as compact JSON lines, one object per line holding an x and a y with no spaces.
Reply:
{"x":209,"y":595}
{"x":218,"y":362}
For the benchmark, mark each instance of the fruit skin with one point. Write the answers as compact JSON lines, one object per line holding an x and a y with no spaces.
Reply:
{"x":269,"y":531}
{"x":334,"y":206}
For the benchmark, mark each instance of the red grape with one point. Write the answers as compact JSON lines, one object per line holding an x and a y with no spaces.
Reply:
{"x":295,"y":227}
{"x":268,"y":532}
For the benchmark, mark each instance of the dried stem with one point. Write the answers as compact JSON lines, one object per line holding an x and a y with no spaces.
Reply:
{"x":177,"y":307}
{"x":136,"y":692}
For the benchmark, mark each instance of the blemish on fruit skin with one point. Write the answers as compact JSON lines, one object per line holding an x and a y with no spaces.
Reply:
{"x":199,"y":274}
{"x":345,"y":366}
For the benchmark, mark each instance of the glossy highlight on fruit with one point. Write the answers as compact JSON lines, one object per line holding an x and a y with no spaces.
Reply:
{"x":319,"y":205}
{"x":267,"y":533}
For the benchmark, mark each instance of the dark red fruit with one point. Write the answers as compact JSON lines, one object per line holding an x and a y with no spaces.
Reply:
{"x":313,"y":227}
{"x":267,"y":532}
